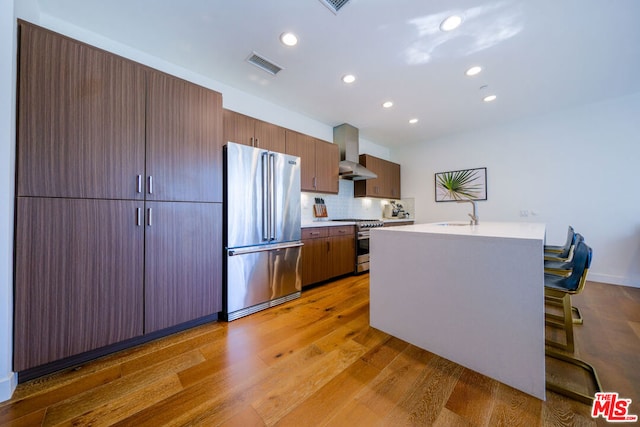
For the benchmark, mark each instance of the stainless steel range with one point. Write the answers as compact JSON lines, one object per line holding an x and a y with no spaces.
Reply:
{"x":363,"y":226}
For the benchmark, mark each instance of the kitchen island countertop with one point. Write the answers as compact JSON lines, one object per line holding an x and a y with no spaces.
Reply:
{"x":471,"y":294}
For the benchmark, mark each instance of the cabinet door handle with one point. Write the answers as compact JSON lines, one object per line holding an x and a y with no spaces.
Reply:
{"x":150,"y":184}
{"x":314,"y":182}
{"x":139,"y":183}
{"x":251,"y":142}
{"x":138,"y":217}
{"x":149,"y":217}
{"x":257,"y":142}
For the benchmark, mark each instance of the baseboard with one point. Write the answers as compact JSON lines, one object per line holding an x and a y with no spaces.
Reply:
{"x":614,"y":280}
{"x":8,"y":385}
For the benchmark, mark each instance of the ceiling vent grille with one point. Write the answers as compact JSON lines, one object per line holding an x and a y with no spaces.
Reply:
{"x":264,"y":64}
{"x":334,"y":5}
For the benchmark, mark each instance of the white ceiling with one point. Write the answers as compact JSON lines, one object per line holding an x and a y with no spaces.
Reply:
{"x":538,"y":55}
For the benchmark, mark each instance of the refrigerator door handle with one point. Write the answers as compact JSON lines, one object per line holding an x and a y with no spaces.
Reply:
{"x":254,"y":249}
{"x":265,"y":196}
{"x":272,"y":197}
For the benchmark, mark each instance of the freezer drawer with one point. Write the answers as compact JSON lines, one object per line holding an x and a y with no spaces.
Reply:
{"x":256,"y":277}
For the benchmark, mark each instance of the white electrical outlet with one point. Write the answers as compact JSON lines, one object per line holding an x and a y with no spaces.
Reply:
{"x":524,"y":212}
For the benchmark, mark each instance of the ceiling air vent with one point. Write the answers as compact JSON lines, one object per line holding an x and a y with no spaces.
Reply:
{"x":334,"y":5}
{"x":264,"y":64}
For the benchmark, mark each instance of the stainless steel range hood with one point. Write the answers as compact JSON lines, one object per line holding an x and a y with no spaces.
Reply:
{"x":347,"y":138}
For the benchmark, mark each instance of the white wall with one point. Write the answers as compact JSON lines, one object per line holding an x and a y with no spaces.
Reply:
{"x":7,"y":171}
{"x":577,"y":167}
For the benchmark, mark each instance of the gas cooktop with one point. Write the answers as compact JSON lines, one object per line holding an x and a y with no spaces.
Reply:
{"x":364,"y":223}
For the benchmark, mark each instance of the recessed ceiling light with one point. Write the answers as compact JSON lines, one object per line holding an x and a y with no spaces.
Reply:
{"x":489,"y":98}
{"x":451,"y":23}
{"x":349,"y":78}
{"x":387,"y":104}
{"x":473,"y":71}
{"x":288,"y":39}
{"x":413,"y":121}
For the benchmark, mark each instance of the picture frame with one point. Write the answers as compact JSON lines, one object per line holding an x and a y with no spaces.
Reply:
{"x":464,"y":184}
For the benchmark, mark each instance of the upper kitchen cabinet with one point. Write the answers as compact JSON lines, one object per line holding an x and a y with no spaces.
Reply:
{"x":318,"y":162}
{"x":256,"y":133}
{"x":327,"y":167}
{"x":385,"y":186}
{"x":81,"y":120}
{"x":184,"y":141}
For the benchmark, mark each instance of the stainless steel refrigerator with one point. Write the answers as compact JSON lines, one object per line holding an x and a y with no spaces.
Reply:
{"x":262,"y":222}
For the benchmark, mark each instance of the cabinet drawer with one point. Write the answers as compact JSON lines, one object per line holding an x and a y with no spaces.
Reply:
{"x":343,"y":230}
{"x":315,"y":233}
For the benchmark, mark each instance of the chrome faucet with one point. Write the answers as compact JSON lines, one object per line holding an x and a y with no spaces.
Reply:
{"x":474,"y":216}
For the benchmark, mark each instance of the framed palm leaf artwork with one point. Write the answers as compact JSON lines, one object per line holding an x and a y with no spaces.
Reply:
{"x":466,"y":184}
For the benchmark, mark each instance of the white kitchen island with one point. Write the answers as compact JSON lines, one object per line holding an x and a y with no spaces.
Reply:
{"x":471,"y":294}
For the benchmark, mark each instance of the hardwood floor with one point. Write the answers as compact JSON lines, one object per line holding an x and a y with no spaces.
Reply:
{"x":315,"y":361}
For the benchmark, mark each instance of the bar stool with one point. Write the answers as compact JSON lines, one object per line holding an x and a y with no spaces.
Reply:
{"x":562,"y":267}
{"x":561,"y":287}
{"x":553,"y":250}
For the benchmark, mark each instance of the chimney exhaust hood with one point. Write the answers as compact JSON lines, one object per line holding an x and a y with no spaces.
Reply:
{"x":347,"y":138}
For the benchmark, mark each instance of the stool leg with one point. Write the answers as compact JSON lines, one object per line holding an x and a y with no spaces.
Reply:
{"x":566,"y":320}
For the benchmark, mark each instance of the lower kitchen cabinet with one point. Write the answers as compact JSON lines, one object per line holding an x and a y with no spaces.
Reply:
{"x":92,"y":273}
{"x":327,"y":252}
{"x":342,"y":253}
{"x":79,"y":277}
{"x":183,"y":262}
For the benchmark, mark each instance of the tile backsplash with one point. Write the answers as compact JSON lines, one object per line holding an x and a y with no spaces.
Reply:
{"x":344,"y":205}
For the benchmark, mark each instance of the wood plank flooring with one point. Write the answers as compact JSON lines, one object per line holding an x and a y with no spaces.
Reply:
{"x":315,"y":361}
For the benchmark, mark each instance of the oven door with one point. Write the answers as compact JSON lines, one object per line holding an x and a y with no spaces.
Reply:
{"x":362,"y":251}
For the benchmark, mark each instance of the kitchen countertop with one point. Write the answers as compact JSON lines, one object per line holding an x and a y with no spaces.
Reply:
{"x":338,"y":223}
{"x":518,"y":230}
{"x":326,"y":224}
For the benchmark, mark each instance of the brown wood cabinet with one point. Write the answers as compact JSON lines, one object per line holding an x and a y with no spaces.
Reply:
{"x":386,"y":186}
{"x":318,"y":162}
{"x":314,"y":255}
{"x":81,"y":120}
{"x":111,"y":243}
{"x":327,"y":252}
{"x":183,"y":260}
{"x":256,"y":133}
{"x":342,"y":251}
{"x":327,"y":167}
{"x":184,"y":141}
{"x":79,"y":276}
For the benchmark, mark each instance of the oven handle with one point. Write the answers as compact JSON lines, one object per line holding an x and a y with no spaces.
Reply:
{"x":362,"y":235}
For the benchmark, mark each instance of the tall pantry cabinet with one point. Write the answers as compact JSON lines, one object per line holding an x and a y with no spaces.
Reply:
{"x":119,"y":191}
